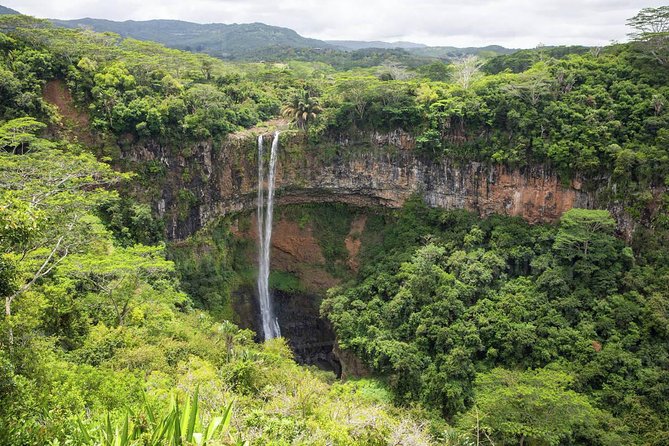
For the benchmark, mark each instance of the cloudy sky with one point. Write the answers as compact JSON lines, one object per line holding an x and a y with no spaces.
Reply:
{"x":512,"y":23}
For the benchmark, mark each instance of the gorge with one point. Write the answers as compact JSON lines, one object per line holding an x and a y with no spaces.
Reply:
{"x":360,"y":248}
{"x":195,"y":186}
{"x":366,"y":172}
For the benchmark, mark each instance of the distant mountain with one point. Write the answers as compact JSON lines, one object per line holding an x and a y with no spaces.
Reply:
{"x":451,"y":52}
{"x":5,"y":10}
{"x":216,"y":39}
{"x":257,"y":41}
{"x":419,"y":49}
{"x":359,"y":45}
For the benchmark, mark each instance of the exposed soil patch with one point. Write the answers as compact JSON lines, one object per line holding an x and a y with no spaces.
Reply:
{"x":74,"y":122}
{"x":353,"y":242}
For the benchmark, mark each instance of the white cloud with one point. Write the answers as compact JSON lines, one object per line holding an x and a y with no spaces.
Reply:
{"x":512,"y":23}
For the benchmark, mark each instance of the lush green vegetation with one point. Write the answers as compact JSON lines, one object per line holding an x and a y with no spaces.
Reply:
{"x":98,"y":338}
{"x":510,"y":333}
{"x":552,"y":334}
{"x":133,"y":88}
{"x":99,"y":343}
{"x":211,"y":265}
{"x":581,"y":111}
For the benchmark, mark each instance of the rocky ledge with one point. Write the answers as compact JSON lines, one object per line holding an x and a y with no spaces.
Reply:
{"x":375,"y":170}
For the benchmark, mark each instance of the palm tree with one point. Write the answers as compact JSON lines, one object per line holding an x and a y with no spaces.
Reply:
{"x":302,"y":109}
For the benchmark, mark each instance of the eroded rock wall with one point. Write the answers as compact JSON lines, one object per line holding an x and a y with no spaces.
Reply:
{"x":379,"y":170}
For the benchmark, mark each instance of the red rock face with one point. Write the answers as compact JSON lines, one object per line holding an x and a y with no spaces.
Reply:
{"x":295,"y":250}
{"x":377,"y":170}
{"x":537,"y":199}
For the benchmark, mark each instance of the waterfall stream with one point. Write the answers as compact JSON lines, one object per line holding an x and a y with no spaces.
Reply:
{"x":270,"y":324}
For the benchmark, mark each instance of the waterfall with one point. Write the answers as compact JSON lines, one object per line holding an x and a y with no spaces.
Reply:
{"x":270,"y":324}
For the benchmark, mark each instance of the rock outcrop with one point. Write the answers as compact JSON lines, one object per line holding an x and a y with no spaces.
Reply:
{"x":380,"y":170}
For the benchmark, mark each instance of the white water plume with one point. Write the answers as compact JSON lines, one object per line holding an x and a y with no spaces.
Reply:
{"x":270,"y":324}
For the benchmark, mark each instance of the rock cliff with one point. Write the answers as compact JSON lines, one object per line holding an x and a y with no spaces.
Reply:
{"x":373,"y":170}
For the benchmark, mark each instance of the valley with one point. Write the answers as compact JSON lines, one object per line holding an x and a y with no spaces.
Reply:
{"x":286,"y":241}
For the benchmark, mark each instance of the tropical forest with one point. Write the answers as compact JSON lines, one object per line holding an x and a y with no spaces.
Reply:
{"x":235,"y":235}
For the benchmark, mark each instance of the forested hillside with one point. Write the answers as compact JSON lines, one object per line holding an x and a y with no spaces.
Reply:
{"x":537,"y":333}
{"x":233,"y":41}
{"x":96,"y":327}
{"x":260,"y":42}
{"x":467,"y":330}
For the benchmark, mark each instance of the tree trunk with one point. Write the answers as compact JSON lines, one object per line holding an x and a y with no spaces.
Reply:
{"x":8,"y":316}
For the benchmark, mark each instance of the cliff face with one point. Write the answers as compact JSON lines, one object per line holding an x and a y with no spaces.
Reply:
{"x":379,"y":170}
{"x":382,"y":170}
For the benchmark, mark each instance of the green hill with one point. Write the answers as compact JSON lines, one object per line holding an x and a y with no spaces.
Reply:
{"x":258,"y":41}
{"x":451,"y":52}
{"x":217,"y":39}
{"x":361,"y":44}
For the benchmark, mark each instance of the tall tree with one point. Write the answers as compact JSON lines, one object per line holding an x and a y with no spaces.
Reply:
{"x":651,"y":32}
{"x":302,"y":109}
{"x":580,"y":229}
{"x":47,"y":196}
{"x":121,"y":278}
{"x":466,"y":70}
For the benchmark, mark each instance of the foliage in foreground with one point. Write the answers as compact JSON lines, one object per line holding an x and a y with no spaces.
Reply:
{"x":176,"y":427}
{"x":94,"y":322}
